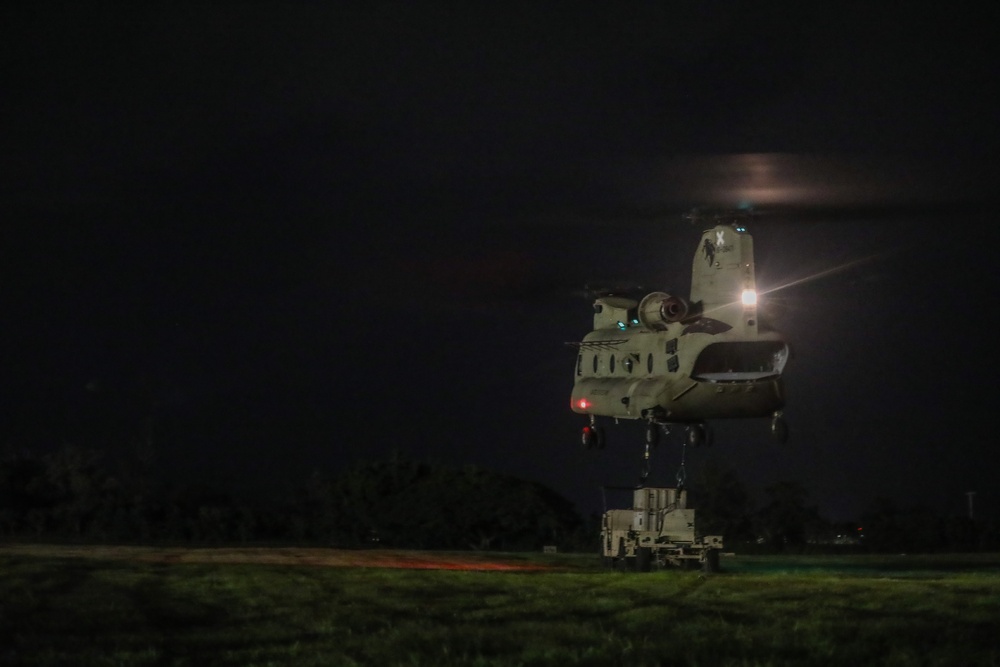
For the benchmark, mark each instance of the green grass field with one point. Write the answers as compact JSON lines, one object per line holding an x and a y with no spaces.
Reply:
{"x":58,"y":610}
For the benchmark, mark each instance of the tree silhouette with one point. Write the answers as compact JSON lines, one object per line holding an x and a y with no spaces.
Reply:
{"x":785,"y":520}
{"x":723,"y":502}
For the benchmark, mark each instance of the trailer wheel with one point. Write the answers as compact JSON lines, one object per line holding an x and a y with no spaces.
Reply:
{"x":711,"y":563}
{"x":643,"y":559}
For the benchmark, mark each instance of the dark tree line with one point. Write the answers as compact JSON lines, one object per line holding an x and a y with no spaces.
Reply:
{"x":889,"y":528}
{"x":71,"y":494}
{"x":74,"y":494}
{"x":785,"y":521}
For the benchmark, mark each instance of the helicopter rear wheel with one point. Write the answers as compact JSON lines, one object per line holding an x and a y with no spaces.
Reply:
{"x":592,"y":437}
{"x":652,"y":433}
{"x":697,"y":435}
{"x":779,"y":428}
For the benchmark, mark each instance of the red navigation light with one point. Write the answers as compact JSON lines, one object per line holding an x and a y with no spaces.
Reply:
{"x":584,"y":404}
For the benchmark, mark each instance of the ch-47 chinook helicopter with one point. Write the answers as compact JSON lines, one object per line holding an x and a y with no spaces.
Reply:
{"x":674,"y":361}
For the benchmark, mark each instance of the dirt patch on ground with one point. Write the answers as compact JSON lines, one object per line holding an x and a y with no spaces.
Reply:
{"x":416,"y":560}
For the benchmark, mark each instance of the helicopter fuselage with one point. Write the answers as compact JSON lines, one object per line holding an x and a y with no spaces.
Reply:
{"x":667,"y":359}
{"x":679,"y":375}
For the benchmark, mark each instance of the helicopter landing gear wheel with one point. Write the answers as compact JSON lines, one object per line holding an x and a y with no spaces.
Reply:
{"x":652,"y":433}
{"x":697,"y":435}
{"x":779,"y":428}
{"x":592,"y":437}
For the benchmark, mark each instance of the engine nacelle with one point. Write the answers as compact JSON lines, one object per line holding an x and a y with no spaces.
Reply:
{"x":658,"y":309}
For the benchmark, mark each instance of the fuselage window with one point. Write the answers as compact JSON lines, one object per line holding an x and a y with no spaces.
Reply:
{"x":595,"y":363}
{"x":628,"y":364}
{"x":649,"y":362}
{"x":579,"y":364}
{"x":612,"y":363}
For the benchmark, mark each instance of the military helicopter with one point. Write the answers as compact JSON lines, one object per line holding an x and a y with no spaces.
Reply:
{"x":679,"y":362}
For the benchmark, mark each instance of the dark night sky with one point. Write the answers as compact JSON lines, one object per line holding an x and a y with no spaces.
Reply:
{"x":298,"y":236}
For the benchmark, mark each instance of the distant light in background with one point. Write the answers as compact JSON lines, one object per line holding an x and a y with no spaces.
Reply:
{"x":754,"y":181}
